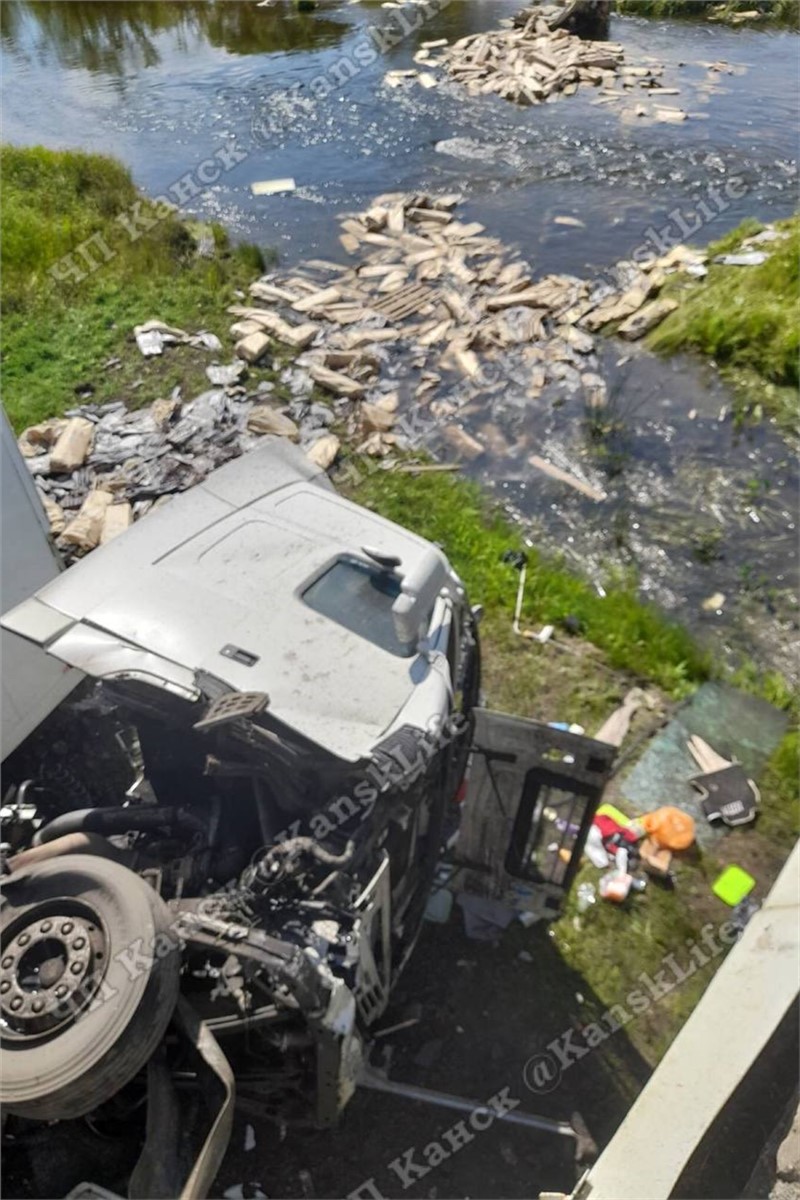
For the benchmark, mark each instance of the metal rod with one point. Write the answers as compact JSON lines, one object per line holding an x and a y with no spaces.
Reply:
{"x":523,"y":575}
{"x":379,"y":1083}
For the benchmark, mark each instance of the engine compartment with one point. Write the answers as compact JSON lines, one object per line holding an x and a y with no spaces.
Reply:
{"x":295,"y":884}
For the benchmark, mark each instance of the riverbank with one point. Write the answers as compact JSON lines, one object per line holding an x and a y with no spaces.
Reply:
{"x":744,"y":314}
{"x":730,"y":12}
{"x":85,"y":257}
{"x":605,"y":640}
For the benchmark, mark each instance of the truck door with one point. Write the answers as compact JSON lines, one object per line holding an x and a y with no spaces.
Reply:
{"x":531,"y":796}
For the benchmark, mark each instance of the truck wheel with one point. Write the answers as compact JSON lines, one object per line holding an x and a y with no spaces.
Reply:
{"x":89,"y":976}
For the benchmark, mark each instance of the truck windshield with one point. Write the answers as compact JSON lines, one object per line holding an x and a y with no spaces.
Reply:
{"x":360,"y":596}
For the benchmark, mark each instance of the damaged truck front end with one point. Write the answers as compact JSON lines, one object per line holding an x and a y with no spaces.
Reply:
{"x":206,"y":882}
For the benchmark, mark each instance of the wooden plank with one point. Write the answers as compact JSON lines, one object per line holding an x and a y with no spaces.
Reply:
{"x":405,"y":302}
{"x":317,"y":301}
{"x":548,"y":468}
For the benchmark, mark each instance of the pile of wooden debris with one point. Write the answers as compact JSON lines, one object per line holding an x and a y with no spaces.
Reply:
{"x":431,"y":300}
{"x":432,"y":320}
{"x":530,"y":64}
{"x":535,"y":63}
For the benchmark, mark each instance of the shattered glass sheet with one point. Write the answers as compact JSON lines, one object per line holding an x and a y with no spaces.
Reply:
{"x":738,"y":726}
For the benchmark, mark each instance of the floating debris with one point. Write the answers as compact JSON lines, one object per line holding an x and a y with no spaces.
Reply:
{"x":580,"y":485}
{"x":272,"y":187}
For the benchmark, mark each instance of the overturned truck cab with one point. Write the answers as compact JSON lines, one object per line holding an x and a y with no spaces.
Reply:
{"x":218,"y":850}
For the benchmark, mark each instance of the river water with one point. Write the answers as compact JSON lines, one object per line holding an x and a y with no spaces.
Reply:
{"x":695,"y":506}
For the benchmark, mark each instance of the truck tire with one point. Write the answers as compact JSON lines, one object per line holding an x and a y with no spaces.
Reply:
{"x":89,"y":978}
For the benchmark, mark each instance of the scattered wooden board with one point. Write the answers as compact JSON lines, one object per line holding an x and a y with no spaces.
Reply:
{"x":548,"y":468}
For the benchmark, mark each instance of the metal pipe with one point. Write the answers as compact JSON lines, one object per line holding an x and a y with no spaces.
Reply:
{"x":379,"y":1083}
{"x":116,"y":820}
{"x":69,"y":843}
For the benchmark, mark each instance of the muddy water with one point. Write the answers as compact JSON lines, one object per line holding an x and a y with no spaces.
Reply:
{"x":694,"y":506}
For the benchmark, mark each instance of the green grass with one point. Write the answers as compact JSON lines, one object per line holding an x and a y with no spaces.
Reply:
{"x":779,"y":818}
{"x":778,"y":12}
{"x":746,"y":318}
{"x":610,"y":946}
{"x":58,"y":333}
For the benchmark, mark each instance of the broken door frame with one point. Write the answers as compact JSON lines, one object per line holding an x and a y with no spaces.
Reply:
{"x":513,"y":759}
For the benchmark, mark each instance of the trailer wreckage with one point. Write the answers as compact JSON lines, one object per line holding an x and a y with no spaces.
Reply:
{"x":226,"y":835}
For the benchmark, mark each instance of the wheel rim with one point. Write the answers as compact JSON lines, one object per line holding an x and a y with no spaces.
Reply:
{"x":51,"y":966}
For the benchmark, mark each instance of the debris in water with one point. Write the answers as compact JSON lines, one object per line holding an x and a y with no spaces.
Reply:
{"x":671,"y":116}
{"x":462,"y":443}
{"x":647,"y":318}
{"x":272,"y":187}
{"x":567,"y":477}
{"x":536,"y":61}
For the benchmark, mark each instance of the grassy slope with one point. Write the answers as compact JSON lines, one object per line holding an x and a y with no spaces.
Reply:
{"x":746,"y":318}
{"x":57,"y":335}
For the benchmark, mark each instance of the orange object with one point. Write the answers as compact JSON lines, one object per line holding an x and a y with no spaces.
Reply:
{"x":670,"y":827}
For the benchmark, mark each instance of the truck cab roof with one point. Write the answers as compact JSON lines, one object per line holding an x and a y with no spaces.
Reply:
{"x":265,"y":578}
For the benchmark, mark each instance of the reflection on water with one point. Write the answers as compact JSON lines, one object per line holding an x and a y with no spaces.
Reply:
{"x":118,"y":37}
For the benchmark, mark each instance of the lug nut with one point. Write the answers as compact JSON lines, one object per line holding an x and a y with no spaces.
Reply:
{"x":61,"y":991}
{"x":45,"y":926}
{"x":76,"y":968}
{"x":8,"y":961}
{"x":67,"y":927}
{"x":16,"y":1003}
{"x":79,"y":943}
{"x":5,"y":986}
{"x":23,"y":939}
{"x":37,"y":1006}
